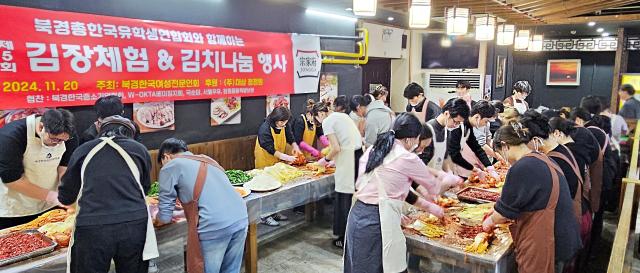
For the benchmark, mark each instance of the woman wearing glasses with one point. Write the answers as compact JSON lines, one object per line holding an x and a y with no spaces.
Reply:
{"x":35,"y":153}
{"x":536,"y":196}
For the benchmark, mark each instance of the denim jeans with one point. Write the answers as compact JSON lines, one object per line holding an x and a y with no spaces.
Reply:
{"x":224,"y":255}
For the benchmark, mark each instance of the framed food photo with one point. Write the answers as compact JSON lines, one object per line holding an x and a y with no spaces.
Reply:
{"x":501,"y":71}
{"x":563,"y":72}
{"x":225,"y":111}
{"x":274,"y":101}
{"x":154,"y":116}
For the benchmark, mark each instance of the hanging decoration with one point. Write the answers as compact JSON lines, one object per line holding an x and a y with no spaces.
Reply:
{"x":365,"y":7}
{"x":536,"y":42}
{"x":506,"y":34}
{"x":457,"y":20}
{"x":485,"y":27}
{"x":419,"y":13}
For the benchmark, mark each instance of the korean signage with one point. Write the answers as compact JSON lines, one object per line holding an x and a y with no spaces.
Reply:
{"x":51,"y":58}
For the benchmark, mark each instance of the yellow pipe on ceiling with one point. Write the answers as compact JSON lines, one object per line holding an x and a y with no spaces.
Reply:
{"x":362,"y":52}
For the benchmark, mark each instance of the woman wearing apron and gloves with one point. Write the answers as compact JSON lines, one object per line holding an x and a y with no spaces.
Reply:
{"x":536,"y":196}
{"x":521,"y":89}
{"x":305,"y":132}
{"x":35,"y":153}
{"x":466,"y":154}
{"x":271,"y":146}
{"x":374,"y":240}
{"x":346,"y":149}
{"x":113,"y":220}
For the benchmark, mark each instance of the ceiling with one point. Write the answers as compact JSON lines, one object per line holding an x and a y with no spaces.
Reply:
{"x":530,"y":12}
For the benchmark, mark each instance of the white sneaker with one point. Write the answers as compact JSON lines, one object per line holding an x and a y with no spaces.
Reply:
{"x":280,"y":217}
{"x":269,"y":221}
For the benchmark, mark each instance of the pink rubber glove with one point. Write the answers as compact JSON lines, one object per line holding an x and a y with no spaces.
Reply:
{"x":331,"y":164}
{"x":286,"y":157}
{"x":324,"y":140}
{"x":492,"y":172}
{"x":430,"y":207}
{"x":450,"y":179}
{"x":488,"y":224}
{"x":52,"y":198}
{"x":323,"y":162}
{"x":307,"y":148}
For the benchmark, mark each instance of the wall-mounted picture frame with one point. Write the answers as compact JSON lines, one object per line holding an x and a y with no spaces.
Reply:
{"x":563,"y":72}
{"x":501,"y":71}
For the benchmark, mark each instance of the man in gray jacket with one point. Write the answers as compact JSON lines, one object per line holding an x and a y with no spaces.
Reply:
{"x":379,"y":117}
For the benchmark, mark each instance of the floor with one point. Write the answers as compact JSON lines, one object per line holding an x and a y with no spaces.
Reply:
{"x":308,"y":249}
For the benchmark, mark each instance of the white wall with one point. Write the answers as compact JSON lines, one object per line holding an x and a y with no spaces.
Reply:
{"x":408,"y":68}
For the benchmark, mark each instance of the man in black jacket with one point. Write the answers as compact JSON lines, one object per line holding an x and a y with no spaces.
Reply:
{"x":414,"y":93}
{"x":108,"y":178}
{"x":106,"y":107}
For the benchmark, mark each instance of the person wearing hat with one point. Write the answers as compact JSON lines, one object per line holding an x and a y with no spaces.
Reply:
{"x":108,"y":178}
{"x":35,"y":153}
{"x":521,"y":89}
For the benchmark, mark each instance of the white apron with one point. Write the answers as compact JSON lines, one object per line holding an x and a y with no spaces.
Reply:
{"x":439,"y":150}
{"x":421,"y":115}
{"x":150,"y":250}
{"x":520,"y":106}
{"x":345,"y":171}
{"x":40,"y":168}
{"x":394,"y":244}
{"x":467,"y":154}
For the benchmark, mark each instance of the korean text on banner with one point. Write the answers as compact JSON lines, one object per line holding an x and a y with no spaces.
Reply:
{"x":52,"y":58}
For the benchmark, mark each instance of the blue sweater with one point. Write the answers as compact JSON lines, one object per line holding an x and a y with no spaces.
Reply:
{"x":222,"y":211}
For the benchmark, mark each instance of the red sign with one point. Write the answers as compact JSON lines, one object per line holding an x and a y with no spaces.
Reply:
{"x":51,"y":58}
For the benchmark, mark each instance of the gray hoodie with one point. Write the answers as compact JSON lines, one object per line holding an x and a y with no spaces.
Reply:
{"x":378,"y":120}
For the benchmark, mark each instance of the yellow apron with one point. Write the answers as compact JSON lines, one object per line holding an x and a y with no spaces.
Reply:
{"x":40,"y":168}
{"x":150,"y":250}
{"x":309,"y":136}
{"x":264,"y":158}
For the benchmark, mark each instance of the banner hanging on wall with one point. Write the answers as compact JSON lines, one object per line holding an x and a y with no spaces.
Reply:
{"x":52,"y":58}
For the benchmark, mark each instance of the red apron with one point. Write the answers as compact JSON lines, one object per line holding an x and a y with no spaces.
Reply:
{"x":535,"y":248}
{"x":195,"y":261}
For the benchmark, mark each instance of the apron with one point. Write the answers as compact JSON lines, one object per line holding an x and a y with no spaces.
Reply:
{"x":195,"y":260}
{"x":40,"y":168}
{"x":535,"y":249}
{"x":467,"y":154}
{"x":345,"y":171}
{"x":421,"y":115}
{"x":264,"y":158}
{"x":595,"y":175}
{"x":394,"y":243}
{"x":439,"y":150}
{"x":150,"y":250}
{"x":308,"y":136}
{"x":577,"y":199}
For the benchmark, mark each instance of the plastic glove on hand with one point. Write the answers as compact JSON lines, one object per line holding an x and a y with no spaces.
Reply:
{"x":492,"y":172}
{"x":324,"y":140}
{"x":52,"y":199}
{"x":451,"y":180}
{"x":488,"y":224}
{"x":287,"y":158}
{"x":323,"y":162}
{"x":306,"y":147}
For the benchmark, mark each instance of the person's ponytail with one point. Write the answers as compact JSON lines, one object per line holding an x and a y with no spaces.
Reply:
{"x":380,"y":150}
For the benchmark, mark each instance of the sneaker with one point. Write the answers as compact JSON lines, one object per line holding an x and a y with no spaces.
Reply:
{"x":280,"y":217}
{"x":269,"y":221}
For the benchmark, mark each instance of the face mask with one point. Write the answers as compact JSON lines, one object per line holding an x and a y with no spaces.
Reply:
{"x":415,"y":146}
{"x":451,"y":129}
{"x":41,"y":134}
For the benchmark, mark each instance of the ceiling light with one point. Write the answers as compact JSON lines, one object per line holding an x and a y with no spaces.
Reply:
{"x":330,"y":15}
{"x":591,"y":24}
{"x":600,"y":29}
{"x":485,"y":27}
{"x":365,"y":7}
{"x":420,"y":14}
{"x":457,"y":20}
{"x":522,"y":40}
{"x":390,"y":18}
{"x":536,"y":42}
{"x":506,"y":33}
{"x":605,"y":34}
{"x":445,"y":42}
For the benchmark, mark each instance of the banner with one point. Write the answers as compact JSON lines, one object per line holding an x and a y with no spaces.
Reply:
{"x":52,"y":58}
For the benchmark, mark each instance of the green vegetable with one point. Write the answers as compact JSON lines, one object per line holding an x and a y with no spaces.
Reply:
{"x":154,"y":190}
{"x":237,"y":177}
